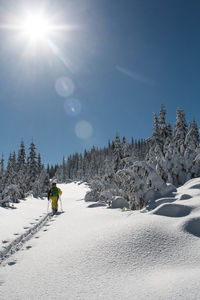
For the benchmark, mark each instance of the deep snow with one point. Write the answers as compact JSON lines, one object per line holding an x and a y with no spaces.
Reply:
{"x":92,"y":252}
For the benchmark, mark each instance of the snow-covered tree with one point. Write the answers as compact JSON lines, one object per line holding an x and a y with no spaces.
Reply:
{"x":117,"y":153}
{"x":11,"y":174}
{"x":21,"y":158}
{"x":2,"y":176}
{"x":20,"y":177}
{"x":11,"y":193}
{"x":39,"y":164}
{"x":41,"y":185}
{"x":192,"y":169}
{"x":22,"y":170}
{"x":124,"y":147}
{"x":180,"y":130}
{"x":2,"y":164}
{"x":32,"y":166}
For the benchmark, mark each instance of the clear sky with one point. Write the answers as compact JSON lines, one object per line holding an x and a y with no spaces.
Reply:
{"x":106,"y":70}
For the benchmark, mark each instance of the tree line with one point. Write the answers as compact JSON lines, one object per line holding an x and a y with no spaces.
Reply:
{"x":127,"y":169}
{"x":133,"y":169}
{"x":23,"y":175}
{"x":96,"y":162}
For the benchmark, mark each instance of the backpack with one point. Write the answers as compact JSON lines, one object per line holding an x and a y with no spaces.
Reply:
{"x":54,"y":191}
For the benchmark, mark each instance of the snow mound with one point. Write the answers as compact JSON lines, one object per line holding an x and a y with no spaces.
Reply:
{"x":119,"y":202}
{"x":193,"y":226}
{"x":172,"y":210}
{"x":89,"y":197}
{"x":185,"y":197}
{"x":158,"y":202}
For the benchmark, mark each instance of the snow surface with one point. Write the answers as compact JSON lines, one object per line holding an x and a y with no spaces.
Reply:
{"x":14,"y":222}
{"x":95,"y":252}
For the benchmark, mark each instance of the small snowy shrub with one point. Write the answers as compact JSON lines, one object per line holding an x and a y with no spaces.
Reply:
{"x":141,"y":184}
{"x":11,"y":193}
{"x":96,"y":188}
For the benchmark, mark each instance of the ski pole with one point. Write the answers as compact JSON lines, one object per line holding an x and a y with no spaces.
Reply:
{"x":60,"y":204}
{"x":48,"y":206}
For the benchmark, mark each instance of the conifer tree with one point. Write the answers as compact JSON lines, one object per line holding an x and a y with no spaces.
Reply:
{"x":64,"y":170}
{"x":41,"y":184}
{"x":14,"y":161}
{"x":2,"y":164}
{"x":48,"y":169}
{"x":192,"y":137}
{"x":21,"y":158}
{"x":2,"y":176}
{"x":10,"y":175}
{"x":117,"y":152}
{"x":124,"y":148}
{"x":156,"y":132}
{"x":180,"y":128}
{"x":32,"y":166}
{"x":165,"y":130}
{"x":39,"y":164}
{"x":22,"y":170}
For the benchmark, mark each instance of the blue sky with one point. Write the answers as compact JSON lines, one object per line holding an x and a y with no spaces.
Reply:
{"x":119,"y":61}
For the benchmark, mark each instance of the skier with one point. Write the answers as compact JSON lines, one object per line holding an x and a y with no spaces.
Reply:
{"x":53,"y":195}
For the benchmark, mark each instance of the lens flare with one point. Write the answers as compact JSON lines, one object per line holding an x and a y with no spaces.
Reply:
{"x":64,"y":86}
{"x":61,"y":56}
{"x":72,"y":107}
{"x":83,"y":129}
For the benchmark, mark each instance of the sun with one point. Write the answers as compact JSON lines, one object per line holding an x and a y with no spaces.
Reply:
{"x":35,"y":27}
{"x":39,"y":32}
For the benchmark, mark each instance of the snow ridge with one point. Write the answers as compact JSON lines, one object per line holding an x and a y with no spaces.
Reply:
{"x":19,"y":242}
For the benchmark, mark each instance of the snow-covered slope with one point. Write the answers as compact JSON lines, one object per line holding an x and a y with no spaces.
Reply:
{"x":92,"y":252}
{"x":15,"y":222}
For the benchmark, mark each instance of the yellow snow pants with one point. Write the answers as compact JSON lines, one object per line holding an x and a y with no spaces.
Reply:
{"x":54,"y":202}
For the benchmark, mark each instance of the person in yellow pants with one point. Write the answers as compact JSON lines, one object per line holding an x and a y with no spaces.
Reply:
{"x":54,"y":194}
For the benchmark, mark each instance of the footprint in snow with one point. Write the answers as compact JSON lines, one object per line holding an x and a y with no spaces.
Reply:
{"x":11,"y":263}
{"x":1,"y":282}
{"x":185,"y":197}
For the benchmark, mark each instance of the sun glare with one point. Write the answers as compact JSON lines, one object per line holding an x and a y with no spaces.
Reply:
{"x":35,"y":27}
{"x":39,"y":30}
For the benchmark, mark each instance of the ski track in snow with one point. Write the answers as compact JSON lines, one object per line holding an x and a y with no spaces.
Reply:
{"x":19,"y":242}
{"x":92,"y":252}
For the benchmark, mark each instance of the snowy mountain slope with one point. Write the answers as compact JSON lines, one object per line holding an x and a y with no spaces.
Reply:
{"x":100,"y":253}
